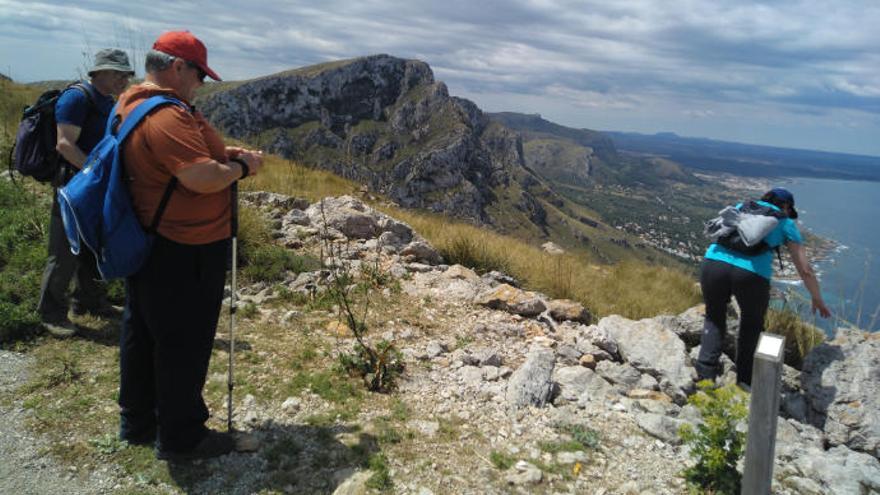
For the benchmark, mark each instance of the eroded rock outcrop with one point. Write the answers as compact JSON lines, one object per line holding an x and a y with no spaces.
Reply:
{"x":841,"y":380}
{"x":384,"y":122}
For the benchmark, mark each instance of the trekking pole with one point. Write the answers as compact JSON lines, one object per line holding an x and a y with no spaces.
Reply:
{"x":232,"y":304}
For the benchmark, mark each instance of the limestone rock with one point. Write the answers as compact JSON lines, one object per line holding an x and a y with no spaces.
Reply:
{"x":596,"y":389}
{"x":568,"y":310}
{"x":838,"y":470}
{"x":462,"y":273}
{"x":421,"y":251}
{"x":355,"y":484}
{"x":654,"y":349}
{"x":552,"y":248}
{"x":509,"y":298}
{"x":345,"y":214}
{"x":524,"y":473}
{"x":488,"y":357}
{"x":291,"y":405}
{"x":841,"y":380}
{"x":689,"y":326}
{"x":594,"y":337}
{"x":572,"y":380}
{"x":621,"y":374}
{"x":660,"y":426}
{"x":531,"y":383}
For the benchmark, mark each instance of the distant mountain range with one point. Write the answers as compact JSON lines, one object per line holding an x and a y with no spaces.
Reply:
{"x":748,"y":159}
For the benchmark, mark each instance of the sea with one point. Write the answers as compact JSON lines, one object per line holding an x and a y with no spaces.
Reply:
{"x":847,"y":212}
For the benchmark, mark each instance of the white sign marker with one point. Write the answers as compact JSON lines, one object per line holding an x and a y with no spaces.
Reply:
{"x":770,"y":345}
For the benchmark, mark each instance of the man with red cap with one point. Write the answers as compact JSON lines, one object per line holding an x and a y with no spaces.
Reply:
{"x":173,"y":302}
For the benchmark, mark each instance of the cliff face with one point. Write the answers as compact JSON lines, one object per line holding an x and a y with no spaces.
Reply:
{"x":384,"y":122}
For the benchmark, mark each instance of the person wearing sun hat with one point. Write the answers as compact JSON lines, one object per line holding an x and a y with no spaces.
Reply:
{"x":81,"y":115}
{"x":726,"y":272}
{"x":173,"y":302}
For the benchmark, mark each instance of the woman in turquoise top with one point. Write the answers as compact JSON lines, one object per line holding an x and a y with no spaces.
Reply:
{"x":726,"y":272}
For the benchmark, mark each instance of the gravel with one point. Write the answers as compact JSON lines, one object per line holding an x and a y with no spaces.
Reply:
{"x":24,"y":469}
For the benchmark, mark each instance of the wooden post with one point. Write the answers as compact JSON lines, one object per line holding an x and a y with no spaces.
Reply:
{"x":763,"y":414}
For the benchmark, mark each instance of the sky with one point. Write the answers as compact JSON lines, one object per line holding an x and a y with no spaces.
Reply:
{"x":792,"y":73}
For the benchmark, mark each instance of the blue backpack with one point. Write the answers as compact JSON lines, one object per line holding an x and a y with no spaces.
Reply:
{"x":96,"y":206}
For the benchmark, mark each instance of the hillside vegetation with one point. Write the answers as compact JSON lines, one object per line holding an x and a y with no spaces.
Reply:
{"x":633,"y":289}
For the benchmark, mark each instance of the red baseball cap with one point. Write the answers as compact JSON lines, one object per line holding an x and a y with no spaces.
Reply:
{"x":186,"y":46}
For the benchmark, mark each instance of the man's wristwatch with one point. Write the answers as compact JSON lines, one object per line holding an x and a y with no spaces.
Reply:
{"x":245,"y":170}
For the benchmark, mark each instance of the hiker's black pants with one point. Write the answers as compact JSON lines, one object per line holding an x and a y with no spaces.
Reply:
{"x":719,"y":281}
{"x":171,"y":310}
{"x":88,"y":291}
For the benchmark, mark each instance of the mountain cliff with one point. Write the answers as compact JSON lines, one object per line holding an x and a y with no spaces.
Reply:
{"x":384,"y":122}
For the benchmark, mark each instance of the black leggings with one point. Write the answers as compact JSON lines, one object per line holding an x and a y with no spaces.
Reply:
{"x":720,"y":280}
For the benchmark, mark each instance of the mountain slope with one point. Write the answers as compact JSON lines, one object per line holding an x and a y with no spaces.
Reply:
{"x":386,"y":123}
{"x":582,"y":156}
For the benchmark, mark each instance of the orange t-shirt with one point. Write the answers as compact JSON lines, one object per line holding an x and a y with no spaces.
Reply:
{"x":167,"y":141}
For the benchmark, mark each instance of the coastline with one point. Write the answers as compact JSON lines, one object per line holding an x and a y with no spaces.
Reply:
{"x":820,"y":251}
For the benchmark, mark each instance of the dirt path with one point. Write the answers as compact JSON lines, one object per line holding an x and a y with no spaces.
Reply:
{"x":24,"y":470}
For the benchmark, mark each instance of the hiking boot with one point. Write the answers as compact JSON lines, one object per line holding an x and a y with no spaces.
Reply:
{"x":214,"y":444}
{"x":62,"y":329}
{"x":147,"y":437}
{"x":103,"y":311}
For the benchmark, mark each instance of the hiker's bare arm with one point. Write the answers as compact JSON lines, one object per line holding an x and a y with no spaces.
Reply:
{"x":212,"y":176}
{"x":805,"y":270}
{"x":66,"y":144}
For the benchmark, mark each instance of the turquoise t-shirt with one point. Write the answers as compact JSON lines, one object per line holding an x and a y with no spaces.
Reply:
{"x":761,"y":264}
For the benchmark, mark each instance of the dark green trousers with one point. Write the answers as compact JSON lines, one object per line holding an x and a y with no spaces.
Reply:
{"x":62,"y":267}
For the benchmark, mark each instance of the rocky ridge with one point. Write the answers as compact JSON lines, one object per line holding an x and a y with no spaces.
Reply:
{"x":384,"y":122}
{"x":525,"y":374}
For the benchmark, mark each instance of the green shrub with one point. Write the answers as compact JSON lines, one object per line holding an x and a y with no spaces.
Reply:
{"x":716,"y":444}
{"x":270,"y":263}
{"x":586,"y":437}
{"x":381,"y":478}
{"x":24,"y":217}
{"x":379,"y":366}
{"x":501,"y":460}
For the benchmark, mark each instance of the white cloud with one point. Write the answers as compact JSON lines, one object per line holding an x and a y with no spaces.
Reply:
{"x":791,"y":56}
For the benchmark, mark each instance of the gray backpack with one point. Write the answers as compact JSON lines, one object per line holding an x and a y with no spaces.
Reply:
{"x":743,"y":229}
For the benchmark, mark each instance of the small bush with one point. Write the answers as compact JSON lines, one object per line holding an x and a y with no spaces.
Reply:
{"x":800,"y":336}
{"x":716,"y":444}
{"x":378,"y":366}
{"x":248,"y":311}
{"x":586,"y":437}
{"x":501,"y":460}
{"x":270,"y":263}
{"x":381,"y":478}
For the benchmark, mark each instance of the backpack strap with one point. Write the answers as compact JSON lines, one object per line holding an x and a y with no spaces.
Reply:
{"x":166,"y":196}
{"x":88,"y":90}
{"x":142,"y":110}
{"x":131,"y":121}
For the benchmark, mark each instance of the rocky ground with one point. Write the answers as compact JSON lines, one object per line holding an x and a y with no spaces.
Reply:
{"x":504,"y":390}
